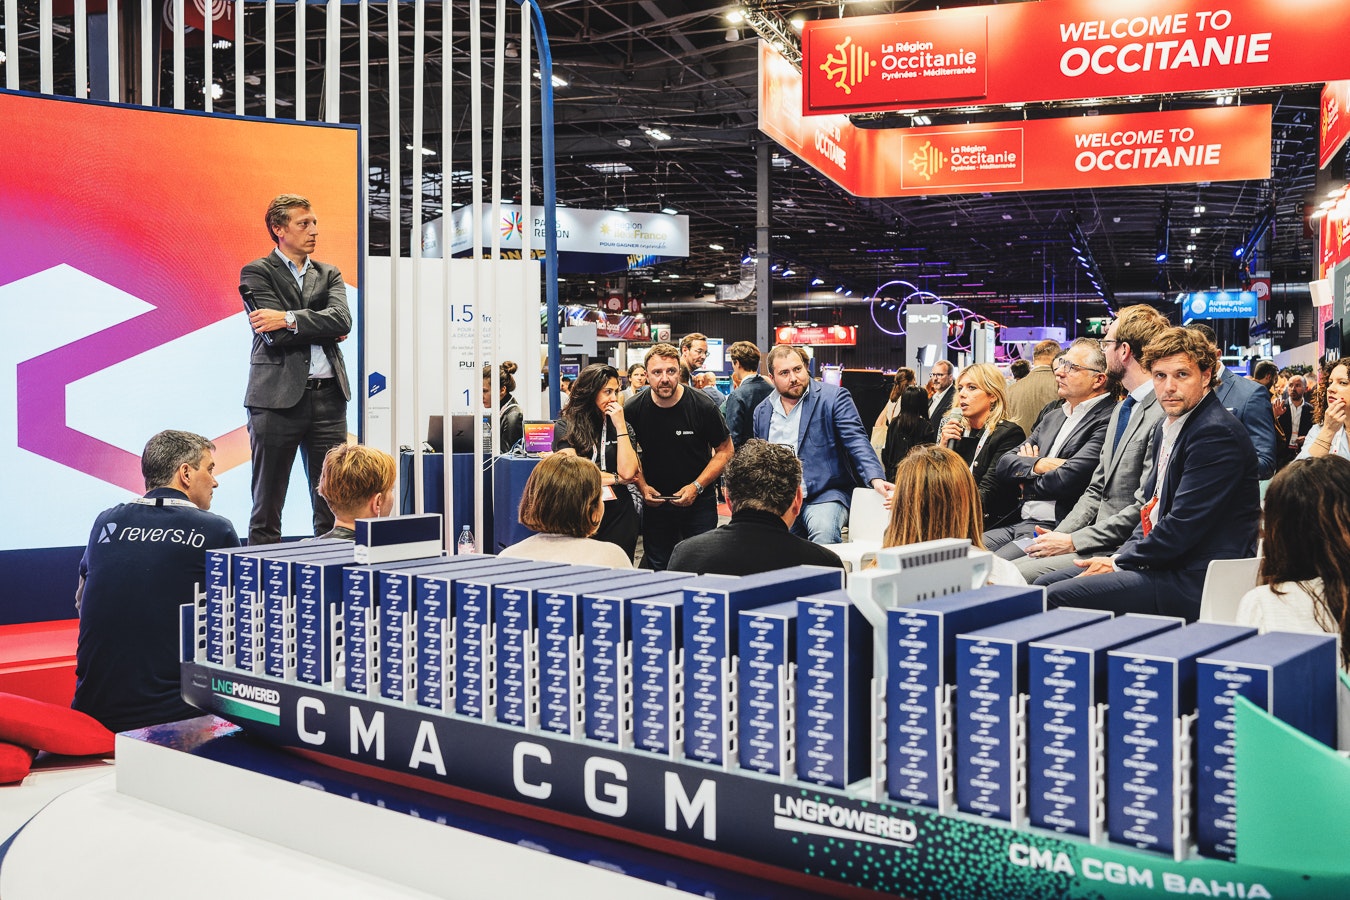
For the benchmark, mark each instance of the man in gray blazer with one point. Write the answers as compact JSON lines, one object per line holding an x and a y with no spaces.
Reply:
{"x":1105,"y":515}
{"x":297,"y":384}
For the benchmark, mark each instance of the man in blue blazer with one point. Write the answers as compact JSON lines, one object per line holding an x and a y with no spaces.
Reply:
{"x":820,"y":422}
{"x":297,"y":382}
{"x":1203,"y":501}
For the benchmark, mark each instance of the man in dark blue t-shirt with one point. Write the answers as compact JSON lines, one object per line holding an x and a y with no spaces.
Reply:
{"x":145,"y":559}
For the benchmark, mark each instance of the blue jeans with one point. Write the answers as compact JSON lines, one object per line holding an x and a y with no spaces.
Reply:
{"x":822,"y":522}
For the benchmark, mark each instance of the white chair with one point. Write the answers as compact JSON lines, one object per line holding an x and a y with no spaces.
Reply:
{"x":867,"y":520}
{"x":1226,"y":580}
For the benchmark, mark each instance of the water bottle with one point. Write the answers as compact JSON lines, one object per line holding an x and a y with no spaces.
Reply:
{"x":465,"y":544}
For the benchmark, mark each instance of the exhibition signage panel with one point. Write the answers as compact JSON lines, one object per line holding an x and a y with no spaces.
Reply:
{"x":817,"y":335}
{"x":1334,"y":236}
{"x":1219,"y":143}
{"x":1068,"y":50}
{"x":1219,"y":305}
{"x":1335,"y":125}
{"x":578,"y":230}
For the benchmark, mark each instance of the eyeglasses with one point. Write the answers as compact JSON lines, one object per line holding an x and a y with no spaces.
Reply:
{"x":1062,"y":364}
{"x":1102,"y":343}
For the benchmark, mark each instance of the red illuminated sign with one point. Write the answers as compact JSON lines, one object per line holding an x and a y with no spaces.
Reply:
{"x":1335,"y":120}
{"x":1217,"y":143}
{"x":1068,"y":50}
{"x":817,"y":335}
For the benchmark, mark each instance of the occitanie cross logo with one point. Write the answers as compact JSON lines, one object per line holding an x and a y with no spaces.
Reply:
{"x":850,"y":67}
{"x":927,"y":161}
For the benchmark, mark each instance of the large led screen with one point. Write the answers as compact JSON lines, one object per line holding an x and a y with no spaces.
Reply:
{"x":122,"y":233}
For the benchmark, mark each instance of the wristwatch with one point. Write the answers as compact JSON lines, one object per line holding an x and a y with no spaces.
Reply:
{"x":698,"y":489}
{"x":290,"y":320}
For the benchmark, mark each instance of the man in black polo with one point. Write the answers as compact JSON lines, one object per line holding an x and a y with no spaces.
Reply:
{"x":764,"y":488}
{"x":685,"y":446}
{"x":144,"y":559}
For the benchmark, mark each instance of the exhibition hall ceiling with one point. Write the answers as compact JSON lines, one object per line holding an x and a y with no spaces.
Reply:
{"x":659,"y":109}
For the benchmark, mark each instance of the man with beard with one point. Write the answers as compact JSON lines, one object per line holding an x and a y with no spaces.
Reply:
{"x":821,"y":424}
{"x":686,"y":446}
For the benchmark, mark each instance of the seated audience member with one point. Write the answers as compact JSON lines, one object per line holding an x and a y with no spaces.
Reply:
{"x":592,"y":425}
{"x":358,"y":483}
{"x":1056,"y":463}
{"x":944,"y":503}
{"x":1203,"y":497}
{"x":144,"y":559}
{"x":1248,"y":401}
{"x":1327,"y":437}
{"x":1304,"y":583}
{"x":976,"y":429}
{"x":764,"y":488}
{"x":511,"y":416}
{"x":1105,"y":516}
{"x":561,"y":503}
{"x":821,"y":424}
{"x":908,"y":428}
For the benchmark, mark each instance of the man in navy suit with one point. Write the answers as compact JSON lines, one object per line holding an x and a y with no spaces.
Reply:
{"x":1203,"y":501}
{"x":1250,"y":402}
{"x":819,"y":422}
{"x":297,"y":382}
{"x":750,"y":388}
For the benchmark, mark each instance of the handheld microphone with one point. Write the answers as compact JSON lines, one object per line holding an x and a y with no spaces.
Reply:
{"x":952,"y":415}
{"x":249,"y":306}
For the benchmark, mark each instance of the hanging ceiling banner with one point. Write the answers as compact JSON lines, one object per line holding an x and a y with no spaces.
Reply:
{"x":579,"y":231}
{"x":1068,"y":50}
{"x":1335,"y":120}
{"x":1215,"y":143}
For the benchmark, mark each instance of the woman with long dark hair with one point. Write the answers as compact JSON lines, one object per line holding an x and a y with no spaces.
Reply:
{"x":1330,"y":400}
{"x":511,"y":416}
{"x":592,"y":426}
{"x":1304,"y":584}
{"x":908,"y":429}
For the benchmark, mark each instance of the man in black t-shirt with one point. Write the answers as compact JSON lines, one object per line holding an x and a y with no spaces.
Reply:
{"x":685,"y":446}
{"x":144,"y":559}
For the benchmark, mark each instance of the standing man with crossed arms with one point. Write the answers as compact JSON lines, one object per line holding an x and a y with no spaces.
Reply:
{"x":297,"y":382}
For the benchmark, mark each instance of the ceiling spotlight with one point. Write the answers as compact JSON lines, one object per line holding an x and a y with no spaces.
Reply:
{"x":736,"y":16}
{"x":848,"y":293}
{"x":815,"y":282}
{"x":558,"y":82}
{"x":1199,"y":209}
{"x":656,"y":134}
{"x":621,"y":208}
{"x":747,"y":259}
{"x":788,"y":273}
{"x":798,"y":22}
{"x":426,"y":151}
{"x":732,"y":36}
{"x":716,"y":247}
{"x":839,"y":290}
{"x":669,"y":210}
{"x":217,"y":90}
{"x":920,"y":120}
{"x":709,"y":284}
{"x":220,"y":44}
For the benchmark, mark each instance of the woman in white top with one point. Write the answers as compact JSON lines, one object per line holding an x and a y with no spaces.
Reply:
{"x":936,"y":497}
{"x":1327,"y":438}
{"x":1304,"y":583}
{"x":561,"y":502}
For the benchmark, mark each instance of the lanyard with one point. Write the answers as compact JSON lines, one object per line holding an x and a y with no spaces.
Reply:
{"x":984,"y":436}
{"x":163,"y":501}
